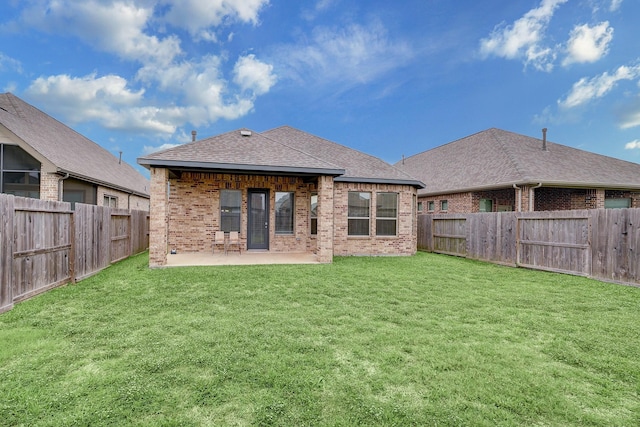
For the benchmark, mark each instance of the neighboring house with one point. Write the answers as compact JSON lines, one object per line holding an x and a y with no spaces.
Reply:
{"x":284,"y":190}
{"x":44,"y":159}
{"x":496,"y":170}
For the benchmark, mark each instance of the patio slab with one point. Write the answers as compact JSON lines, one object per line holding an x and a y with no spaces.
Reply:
{"x":245,"y":258}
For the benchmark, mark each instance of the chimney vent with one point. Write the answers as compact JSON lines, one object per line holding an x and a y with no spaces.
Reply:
{"x":245,"y":132}
{"x":544,"y":139}
{"x":193,"y":135}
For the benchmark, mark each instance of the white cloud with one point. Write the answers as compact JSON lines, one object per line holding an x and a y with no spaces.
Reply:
{"x":112,"y":26}
{"x":9,"y":63}
{"x":253,"y":75}
{"x":148,"y":149}
{"x":615,"y":5}
{"x":524,"y":38}
{"x":198,"y":16}
{"x":354,"y":54}
{"x":196,"y":88}
{"x":585,"y":90}
{"x":630,"y":119}
{"x":588,"y":44}
{"x":106,"y":100}
{"x":633,"y":145}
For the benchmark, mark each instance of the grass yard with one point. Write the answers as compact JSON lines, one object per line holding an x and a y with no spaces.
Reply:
{"x":424,"y":340}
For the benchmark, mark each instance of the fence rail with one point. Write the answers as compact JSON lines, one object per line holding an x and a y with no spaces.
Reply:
{"x":44,"y":244}
{"x":603,"y":244}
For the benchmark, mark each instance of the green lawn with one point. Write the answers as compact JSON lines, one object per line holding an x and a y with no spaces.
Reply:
{"x":424,"y":340}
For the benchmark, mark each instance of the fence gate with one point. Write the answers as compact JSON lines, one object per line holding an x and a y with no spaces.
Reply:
{"x":560,"y":244}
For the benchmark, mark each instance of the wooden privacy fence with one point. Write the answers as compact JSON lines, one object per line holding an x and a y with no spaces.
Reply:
{"x":603,"y":244}
{"x":44,"y":244}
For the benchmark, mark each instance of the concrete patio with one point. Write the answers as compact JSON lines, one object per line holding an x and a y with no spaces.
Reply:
{"x":234,"y":258}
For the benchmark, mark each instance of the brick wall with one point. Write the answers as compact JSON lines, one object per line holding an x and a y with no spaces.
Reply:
{"x":193,"y":214}
{"x":124,"y":200}
{"x":544,"y":199}
{"x":158,"y":218}
{"x":49,"y":186}
{"x":194,"y":210}
{"x":456,"y":203}
{"x":404,"y":243}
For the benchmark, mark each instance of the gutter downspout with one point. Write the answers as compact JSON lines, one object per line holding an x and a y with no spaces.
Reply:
{"x":61,"y":187}
{"x":531,"y":198}
{"x":519,"y":197}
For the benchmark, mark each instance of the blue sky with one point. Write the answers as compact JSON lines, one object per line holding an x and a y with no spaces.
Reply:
{"x":387,"y":78}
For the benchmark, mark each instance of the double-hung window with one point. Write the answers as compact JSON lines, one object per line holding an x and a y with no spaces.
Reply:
{"x":387,"y":214}
{"x":284,"y":212}
{"x":358,"y":215}
{"x":313,"y":213}
{"x":110,"y":201}
{"x":230,"y":206}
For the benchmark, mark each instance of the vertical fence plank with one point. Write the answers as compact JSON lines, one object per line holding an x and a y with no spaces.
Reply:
{"x":603,"y":244}
{"x":44,"y":244}
{"x":6,"y":251}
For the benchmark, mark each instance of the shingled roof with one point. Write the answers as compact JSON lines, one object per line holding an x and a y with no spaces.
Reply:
{"x":283,"y":150}
{"x":69,"y":151}
{"x":496,"y":158}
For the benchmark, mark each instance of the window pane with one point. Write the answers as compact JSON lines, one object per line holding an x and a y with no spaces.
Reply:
{"x":15,"y":158}
{"x":617,"y":203}
{"x":284,"y":213}
{"x":230,"y":207}
{"x":386,"y":227}
{"x":358,"y":227}
{"x":359,"y":204}
{"x":431,"y":206}
{"x":314,"y":213}
{"x":444,"y":205}
{"x":387,"y":205}
{"x":23,"y":184}
{"x":419,"y":206}
{"x":358,"y":213}
{"x":486,"y":205}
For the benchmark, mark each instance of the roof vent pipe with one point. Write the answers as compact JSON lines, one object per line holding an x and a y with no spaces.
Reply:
{"x":544,"y":139}
{"x":193,"y":135}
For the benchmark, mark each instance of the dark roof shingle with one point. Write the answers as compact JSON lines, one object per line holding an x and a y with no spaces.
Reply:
{"x":496,"y":158}
{"x":283,"y":149}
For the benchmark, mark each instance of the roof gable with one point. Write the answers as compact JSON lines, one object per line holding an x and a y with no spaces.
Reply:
{"x":497,"y":158}
{"x":66,"y":149}
{"x":280,"y":150}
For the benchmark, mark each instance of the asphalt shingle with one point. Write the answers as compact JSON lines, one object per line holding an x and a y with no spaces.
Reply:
{"x":66,"y":149}
{"x":497,"y":158}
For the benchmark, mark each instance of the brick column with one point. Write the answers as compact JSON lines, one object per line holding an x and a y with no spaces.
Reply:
{"x":325,"y":219}
{"x":158,"y":217}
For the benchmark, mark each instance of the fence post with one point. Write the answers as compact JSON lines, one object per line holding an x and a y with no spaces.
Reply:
{"x":72,"y":251}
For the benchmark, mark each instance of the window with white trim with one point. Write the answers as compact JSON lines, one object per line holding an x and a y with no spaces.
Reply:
{"x":358,"y":215}
{"x":284,"y":212}
{"x":386,"y":214}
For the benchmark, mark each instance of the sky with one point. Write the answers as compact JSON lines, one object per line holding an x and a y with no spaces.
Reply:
{"x":389,"y":78}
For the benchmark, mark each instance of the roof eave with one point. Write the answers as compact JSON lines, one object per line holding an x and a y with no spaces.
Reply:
{"x":102,"y":183}
{"x":413,"y":183}
{"x":557,"y":184}
{"x":234,"y":167}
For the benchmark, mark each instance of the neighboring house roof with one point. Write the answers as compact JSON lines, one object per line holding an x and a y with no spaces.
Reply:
{"x":66,"y":149}
{"x":284,"y":150}
{"x":496,"y":158}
